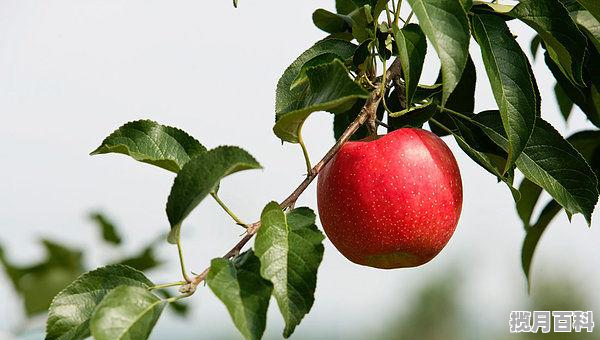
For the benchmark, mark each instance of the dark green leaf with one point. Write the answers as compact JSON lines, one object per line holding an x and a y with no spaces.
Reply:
{"x":361,"y":54}
{"x":588,"y":97}
{"x":412,"y":47}
{"x":445,"y":24}
{"x":530,"y":193}
{"x":199,"y":177}
{"x":329,"y":88}
{"x":565,"y":104}
{"x":564,"y":42}
{"x":244,"y":292}
{"x":469,"y":138}
{"x":551,"y":162}
{"x":535,"y":45}
{"x":71,"y":309}
{"x":508,"y":71}
{"x":344,"y":6}
{"x":461,"y":100}
{"x":416,"y":116}
{"x":107,"y":228}
{"x":302,"y":77}
{"x":149,"y":142}
{"x":290,"y":102}
{"x":290,"y":249}
{"x":330,"y":22}
{"x":342,"y":120}
{"x":533,"y":235}
{"x":126,"y":313}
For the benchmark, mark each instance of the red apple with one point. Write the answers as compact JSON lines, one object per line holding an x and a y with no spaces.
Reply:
{"x":392,"y":201}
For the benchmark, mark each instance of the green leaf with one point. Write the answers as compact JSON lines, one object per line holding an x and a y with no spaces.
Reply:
{"x":330,"y":22}
{"x":290,"y":249}
{"x":144,"y":260}
{"x":244,"y":292}
{"x":586,"y":98}
{"x":343,"y":120}
{"x":530,"y":193}
{"x":302,"y":77}
{"x":469,"y":138}
{"x":535,"y":45}
{"x":329,"y":88}
{"x":565,"y":104}
{"x":126,"y":313}
{"x":71,"y":309}
{"x":564,"y":42}
{"x":593,"y":6}
{"x":589,"y":25}
{"x":461,"y":100}
{"x":412,"y":47}
{"x":533,"y":235}
{"x":149,"y":142}
{"x":199,"y":177}
{"x":416,"y":116}
{"x":588,"y":145}
{"x":61,"y":266}
{"x":445,"y":24}
{"x":551,"y":162}
{"x":107,"y":228}
{"x":290,"y":102}
{"x":508,"y":71}
{"x":344,"y":6}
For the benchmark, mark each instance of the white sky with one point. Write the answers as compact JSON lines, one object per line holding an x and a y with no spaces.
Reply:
{"x":73,"y":71}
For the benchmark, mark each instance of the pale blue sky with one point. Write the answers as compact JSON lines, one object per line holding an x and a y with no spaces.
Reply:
{"x":73,"y":71}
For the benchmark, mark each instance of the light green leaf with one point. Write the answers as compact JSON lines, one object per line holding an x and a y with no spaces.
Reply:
{"x":290,"y":249}
{"x":445,"y":24}
{"x":290,"y":101}
{"x":593,"y":6}
{"x":508,"y":71}
{"x":564,"y":42}
{"x":244,"y":292}
{"x":126,"y":313}
{"x":551,"y":162}
{"x":107,"y":228}
{"x":412,"y":47}
{"x":589,"y":25}
{"x":72,"y":308}
{"x":199,"y":177}
{"x":61,"y":266}
{"x":329,"y":88}
{"x":149,"y":142}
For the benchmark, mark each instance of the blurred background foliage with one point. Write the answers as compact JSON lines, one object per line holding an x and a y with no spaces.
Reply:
{"x":36,"y":284}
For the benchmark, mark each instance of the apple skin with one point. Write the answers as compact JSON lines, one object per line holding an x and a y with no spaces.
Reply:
{"x":393,"y":201}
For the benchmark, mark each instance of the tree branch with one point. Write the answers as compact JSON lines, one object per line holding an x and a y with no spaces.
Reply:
{"x":368,"y":110}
